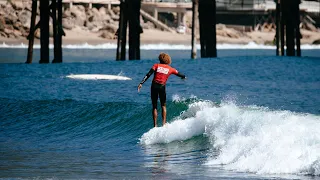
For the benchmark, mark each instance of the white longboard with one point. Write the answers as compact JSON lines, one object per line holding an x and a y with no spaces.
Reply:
{"x":98,"y":77}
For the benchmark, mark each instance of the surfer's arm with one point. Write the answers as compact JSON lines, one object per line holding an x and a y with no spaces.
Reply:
{"x":182,"y":76}
{"x":145,"y":78}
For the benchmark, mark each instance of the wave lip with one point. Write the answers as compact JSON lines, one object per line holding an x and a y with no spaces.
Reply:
{"x":98,"y":77}
{"x":176,"y":131}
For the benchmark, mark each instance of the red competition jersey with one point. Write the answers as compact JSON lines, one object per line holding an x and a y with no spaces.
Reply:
{"x":162,"y":73}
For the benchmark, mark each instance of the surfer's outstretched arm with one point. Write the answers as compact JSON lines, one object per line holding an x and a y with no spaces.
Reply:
{"x":182,"y":76}
{"x":145,"y":78}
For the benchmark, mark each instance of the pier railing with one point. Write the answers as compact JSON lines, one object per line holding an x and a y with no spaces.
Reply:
{"x":93,"y":1}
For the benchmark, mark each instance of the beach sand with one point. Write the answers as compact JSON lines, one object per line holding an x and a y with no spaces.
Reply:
{"x":154,"y":36}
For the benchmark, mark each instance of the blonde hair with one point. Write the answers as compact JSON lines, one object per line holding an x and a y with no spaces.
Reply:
{"x":164,"y":58}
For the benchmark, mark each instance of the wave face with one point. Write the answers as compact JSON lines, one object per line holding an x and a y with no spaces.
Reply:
{"x":229,"y":136}
{"x":248,"y":139}
{"x":161,"y":46}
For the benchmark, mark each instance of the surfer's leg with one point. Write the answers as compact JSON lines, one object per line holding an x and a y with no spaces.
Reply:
{"x":162,"y":95}
{"x":164,"y":114}
{"x":154,"y":99}
{"x":154,"y":112}
{"x":155,"y":116}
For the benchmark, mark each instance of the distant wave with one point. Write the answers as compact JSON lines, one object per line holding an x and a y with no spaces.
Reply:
{"x":160,"y":46}
{"x":249,"y":139}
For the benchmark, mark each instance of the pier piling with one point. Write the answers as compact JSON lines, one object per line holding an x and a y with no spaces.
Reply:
{"x":282,"y":27}
{"x":288,"y":29}
{"x":44,"y":31}
{"x":55,"y":12}
{"x":129,"y":13}
{"x":278,"y":30}
{"x":32,"y":29}
{"x":60,"y":32}
{"x":297,"y":27}
{"x":194,"y":25}
{"x":207,"y":19}
{"x":134,"y":29}
{"x":57,"y":30}
{"x":122,"y":32}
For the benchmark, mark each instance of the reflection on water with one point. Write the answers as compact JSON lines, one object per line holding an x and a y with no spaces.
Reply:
{"x":176,"y":157}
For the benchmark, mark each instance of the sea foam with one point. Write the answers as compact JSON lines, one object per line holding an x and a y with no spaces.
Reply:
{"x":248,"y":138}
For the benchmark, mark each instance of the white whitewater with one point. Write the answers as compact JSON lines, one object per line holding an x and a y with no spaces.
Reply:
{"x":248,"y":139}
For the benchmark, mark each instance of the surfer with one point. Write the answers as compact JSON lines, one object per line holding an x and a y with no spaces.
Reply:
{"x":161,"y":71}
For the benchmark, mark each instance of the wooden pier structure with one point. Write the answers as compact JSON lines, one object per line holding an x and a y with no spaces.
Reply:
{"x":47,"y":11}
{"x":287,"y":21}
{"x":205,"y":12}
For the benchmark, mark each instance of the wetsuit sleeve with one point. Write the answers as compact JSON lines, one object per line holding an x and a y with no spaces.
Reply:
{"x":177,"y":73}
{"x":181,"y":75}
{"x":147,"y":76}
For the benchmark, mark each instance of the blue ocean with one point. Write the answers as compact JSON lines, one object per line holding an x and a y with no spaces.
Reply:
{"x":246,"y":114}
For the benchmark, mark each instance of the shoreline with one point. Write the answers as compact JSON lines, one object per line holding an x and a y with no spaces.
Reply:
{"x":159,"y":46}
{"x":18,"y":42}
{"x":160,"y":38}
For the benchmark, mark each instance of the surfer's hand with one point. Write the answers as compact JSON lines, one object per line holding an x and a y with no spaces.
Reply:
{"x":184,"y":77}
{"x":139,"y":87}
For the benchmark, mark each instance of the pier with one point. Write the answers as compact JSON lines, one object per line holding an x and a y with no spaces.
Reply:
{"x":206,"y":14}
{"x":90,"y":3}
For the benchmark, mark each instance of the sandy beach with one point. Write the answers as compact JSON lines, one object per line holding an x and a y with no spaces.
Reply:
{"x":154,"y":36}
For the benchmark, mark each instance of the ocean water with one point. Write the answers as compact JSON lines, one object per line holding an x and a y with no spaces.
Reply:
{"x":244,"y":115}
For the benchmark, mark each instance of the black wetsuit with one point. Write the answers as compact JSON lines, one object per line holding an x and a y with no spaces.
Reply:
{"x":158,"y":90}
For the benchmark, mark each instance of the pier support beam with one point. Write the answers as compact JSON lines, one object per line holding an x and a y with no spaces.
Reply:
{"x":44,"y":31}
{"x":57,"y":30}
{"x":32,"y":29}
{"x":282,"y":27}
{"x":297,"y":27}
{"x":54,"y":26}
{"x":207,"y":18}
{"x":288,"y":30}
{"x":278,"y":28}
{"x":46,"y":12}
{"x":134,"y":29}
{"x":181,"y":18}
{"x":155,"y":13}
{"x":122,"y":31}
{"x":194,"y":25}
{"x":179,"y":15}
{"x":61,"y":32}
